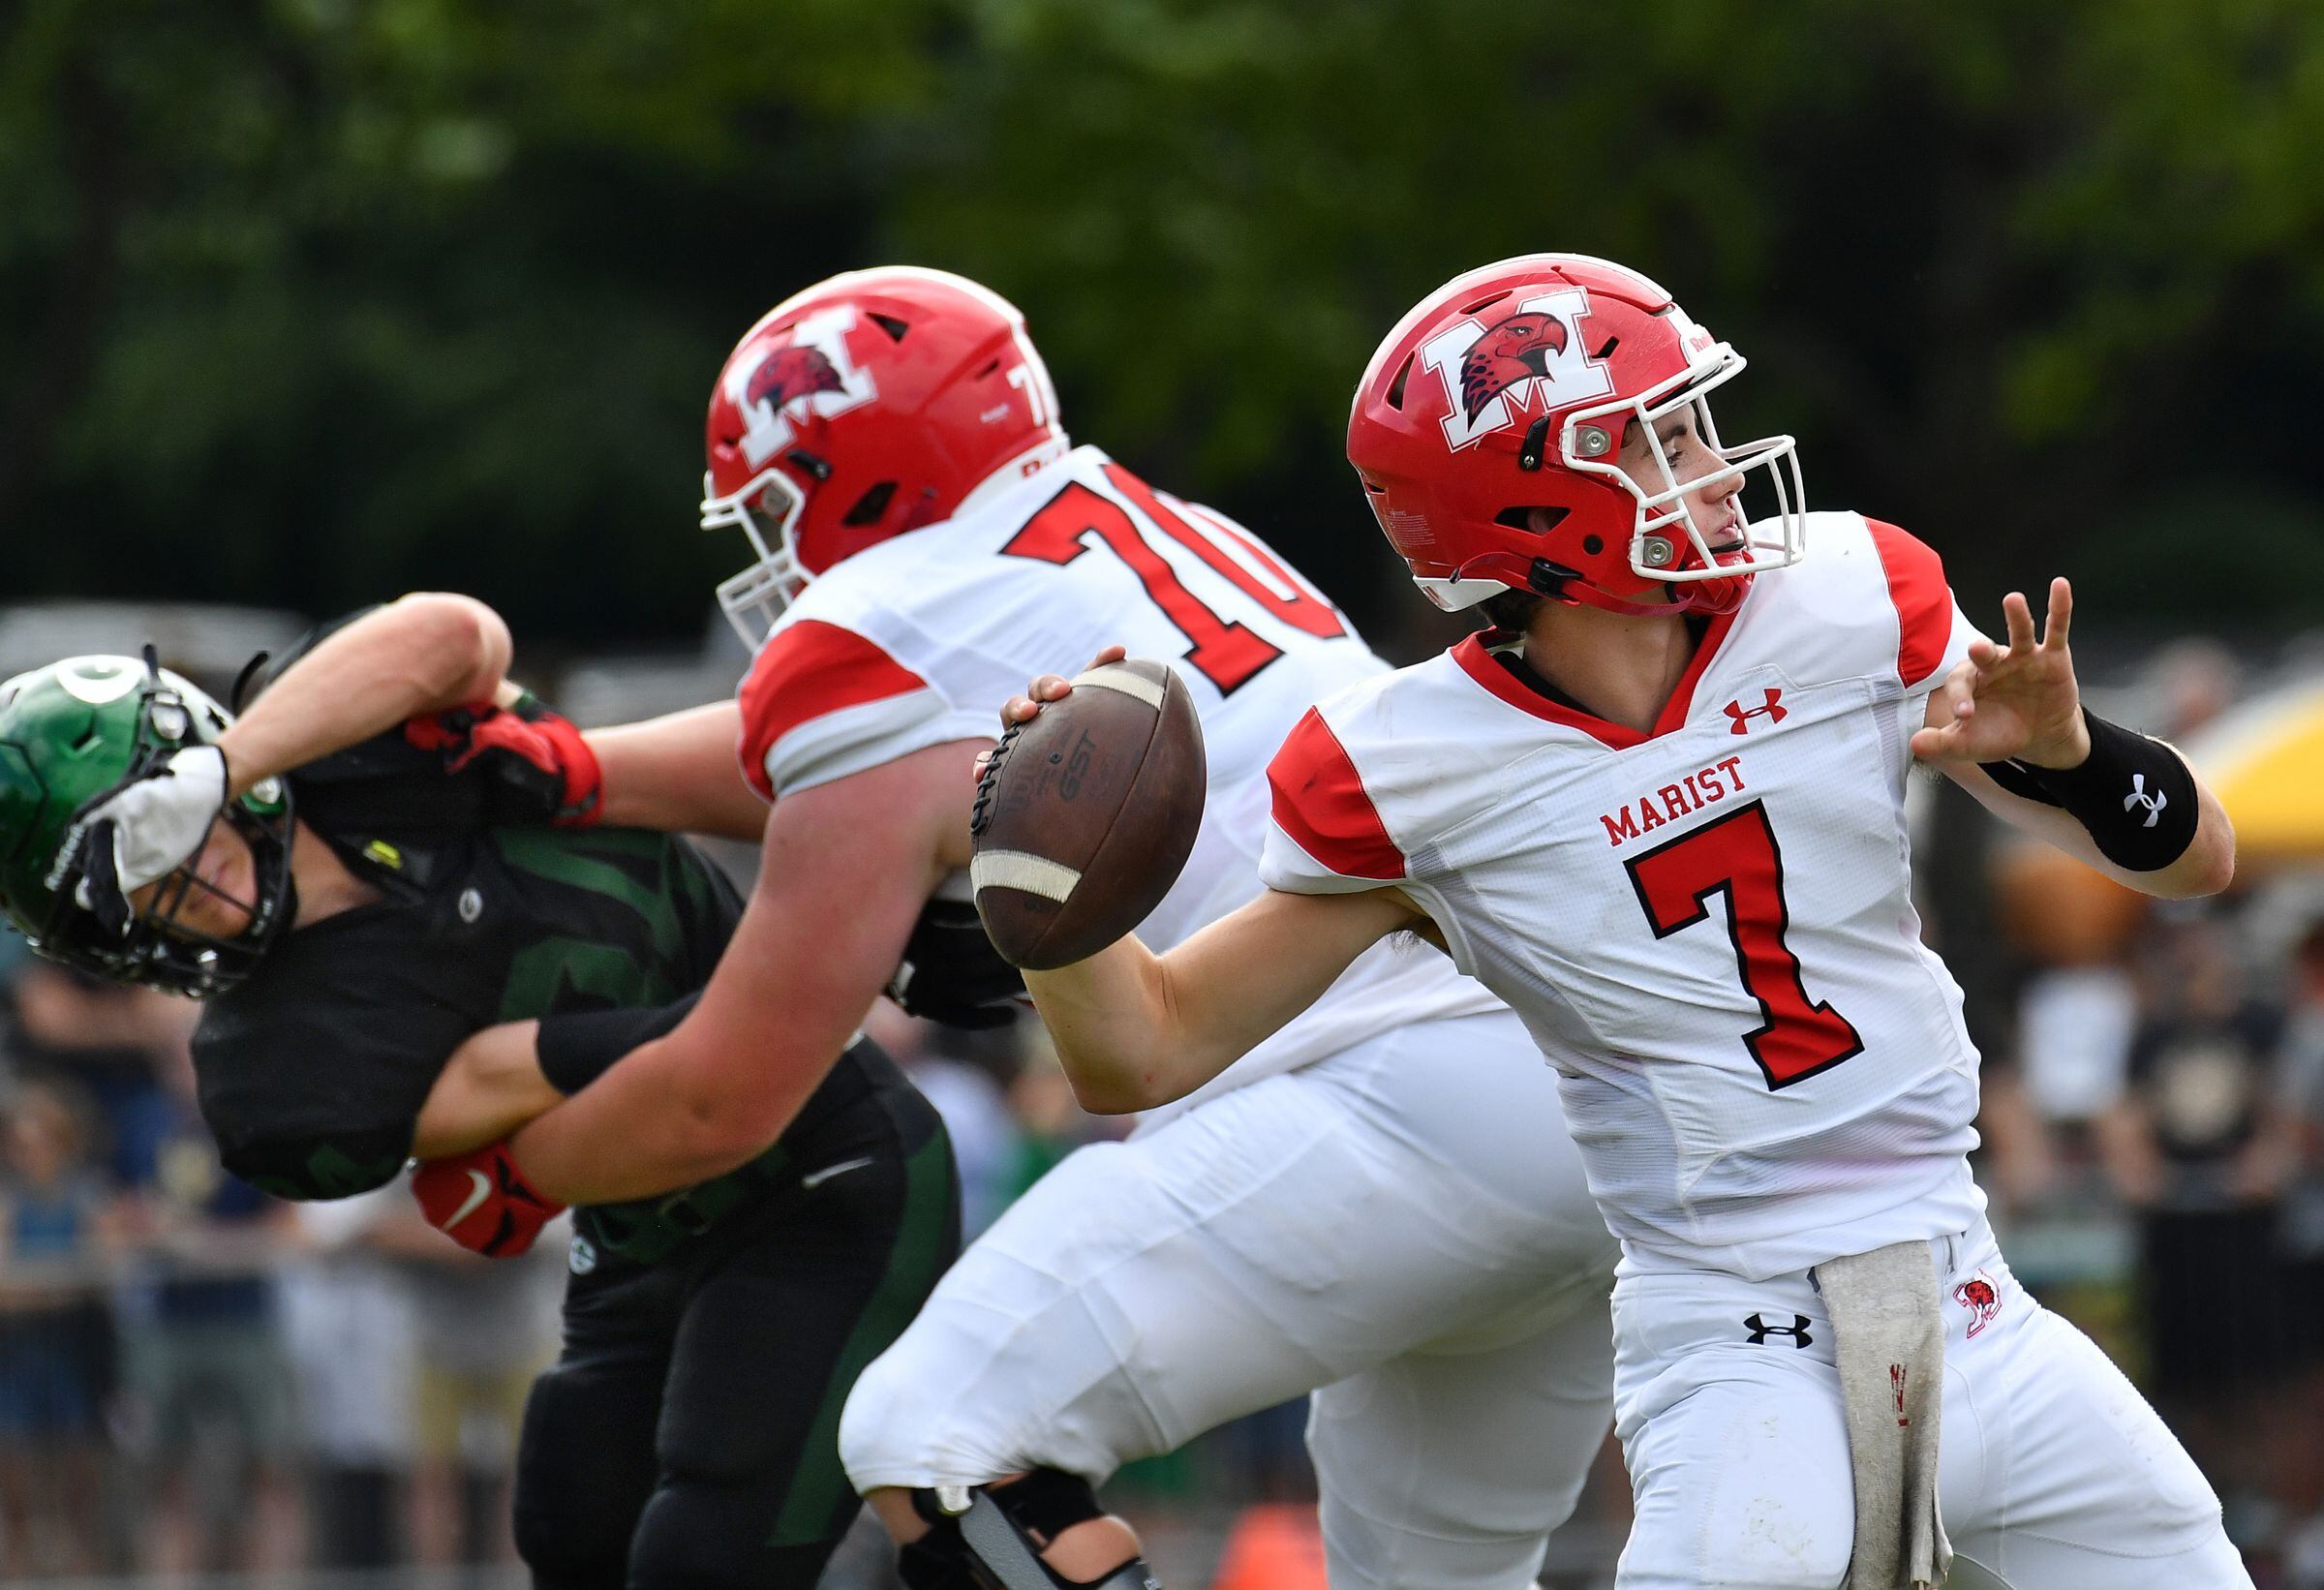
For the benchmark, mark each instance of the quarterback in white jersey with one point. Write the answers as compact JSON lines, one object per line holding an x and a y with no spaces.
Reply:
{"x":1659,"y":808}
{"x":1381,"y":1202}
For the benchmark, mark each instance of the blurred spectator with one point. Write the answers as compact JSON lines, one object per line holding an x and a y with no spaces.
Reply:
{"x":966,"y":1075}
{"x":2304,"y":1106}
{"x":349,"y":1328}
{"x":2298,"y":1459}
{"x":51,"y":1205}
{"x":2076,"y":1025}
{"x":482,"y":1330}
{"x":2069,"y":935}
{"x":101,"y":1036}
{"x":2188,"y":684}
{"x":205,"y":1387}
{"x":2201,"y":1146}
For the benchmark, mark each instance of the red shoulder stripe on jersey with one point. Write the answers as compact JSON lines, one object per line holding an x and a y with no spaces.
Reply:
{"x":1924,"y":603}
{"x":804,"y":671}
{"x":1320,"y":801}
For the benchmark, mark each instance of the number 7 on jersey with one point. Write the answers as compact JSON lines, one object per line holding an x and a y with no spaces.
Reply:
{"x":1737,"y":855}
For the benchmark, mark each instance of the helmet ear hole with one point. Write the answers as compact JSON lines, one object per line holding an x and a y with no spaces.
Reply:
{"x":1522,"y":519}
{"x":869,"y":508}
{"x":1395,"y":389}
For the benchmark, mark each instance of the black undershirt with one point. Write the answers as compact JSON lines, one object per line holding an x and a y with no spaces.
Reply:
{"x":1511,"y":659}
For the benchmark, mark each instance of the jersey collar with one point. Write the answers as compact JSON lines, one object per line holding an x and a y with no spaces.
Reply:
{"x":1480,"y":665}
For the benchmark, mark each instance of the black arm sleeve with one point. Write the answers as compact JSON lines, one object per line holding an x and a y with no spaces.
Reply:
{"x":575,"y":1050}
{"x":2136,"y":796}
{"x":2018,"y":780}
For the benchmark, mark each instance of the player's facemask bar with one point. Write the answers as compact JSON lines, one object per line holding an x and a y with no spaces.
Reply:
{"x":1666,"y":544}
{"x":766,"y":510}
{"x":161,"y":950}
{"x":200,"y":963}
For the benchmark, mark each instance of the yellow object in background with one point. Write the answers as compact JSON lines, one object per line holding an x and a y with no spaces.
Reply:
{"x":2265,"y":761}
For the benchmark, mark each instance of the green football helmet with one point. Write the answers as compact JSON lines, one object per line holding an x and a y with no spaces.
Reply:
{"x":71,"y":734}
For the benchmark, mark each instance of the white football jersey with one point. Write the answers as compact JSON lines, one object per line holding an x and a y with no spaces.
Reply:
{"x":1708,"y":928}
{"x":918,"y":640}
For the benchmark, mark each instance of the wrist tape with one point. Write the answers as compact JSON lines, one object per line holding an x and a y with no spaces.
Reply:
{"x":2134,"y":795}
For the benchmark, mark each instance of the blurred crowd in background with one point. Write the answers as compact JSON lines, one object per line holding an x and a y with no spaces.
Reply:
{"x":195,"y":1377}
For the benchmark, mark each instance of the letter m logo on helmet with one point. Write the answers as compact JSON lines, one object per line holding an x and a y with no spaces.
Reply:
{"x":806,"y":366}
{"x":1530,"y":360}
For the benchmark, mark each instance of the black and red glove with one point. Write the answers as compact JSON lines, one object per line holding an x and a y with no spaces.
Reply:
{"x":481,"y":1201}
{"x":537,"y":755}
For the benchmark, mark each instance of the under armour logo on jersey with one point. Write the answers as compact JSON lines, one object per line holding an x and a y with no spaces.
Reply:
{"x":1740,"y":715}
{"x":1760,"y":1329}
{"x":2138,"y":797}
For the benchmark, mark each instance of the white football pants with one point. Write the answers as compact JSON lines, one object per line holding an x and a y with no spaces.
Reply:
{"x":2054,"y":1474}
{"x":1403,"y":1225}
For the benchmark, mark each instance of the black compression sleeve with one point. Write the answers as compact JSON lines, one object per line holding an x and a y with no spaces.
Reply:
{"x":2134,"y":795}
{"x":575,"y":1050}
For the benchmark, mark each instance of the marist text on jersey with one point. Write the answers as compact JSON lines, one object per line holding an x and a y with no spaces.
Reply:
{"x":1706,"y":786}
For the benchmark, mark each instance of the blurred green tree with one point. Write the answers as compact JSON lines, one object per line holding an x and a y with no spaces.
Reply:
{"x":355,"y":296}
{"x":321,"y":300}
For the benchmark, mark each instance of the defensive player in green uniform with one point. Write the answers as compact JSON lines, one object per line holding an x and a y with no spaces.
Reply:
{"x":403,"y":851}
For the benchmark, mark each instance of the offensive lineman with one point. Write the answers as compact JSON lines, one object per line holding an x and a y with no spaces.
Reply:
{"x":362,"y":893}
{"x":1382,"y":1202}
{"x":1659,"y":808}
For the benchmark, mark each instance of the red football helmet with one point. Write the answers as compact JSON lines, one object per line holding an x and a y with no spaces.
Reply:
{"x":1512,"y":388}
{"x":869,"y":404}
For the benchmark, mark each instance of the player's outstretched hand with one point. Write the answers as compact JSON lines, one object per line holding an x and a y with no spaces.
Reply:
{"x":2012,"y":701}
{"x":481,"y":1201}
{"x":144,"y":828}
{"x":1021,"y":709}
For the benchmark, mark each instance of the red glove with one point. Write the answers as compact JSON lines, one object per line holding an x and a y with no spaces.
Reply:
{"x":537,"y":752}
{"x":481,"y":1201}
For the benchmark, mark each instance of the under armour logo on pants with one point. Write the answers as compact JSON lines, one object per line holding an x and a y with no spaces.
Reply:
{"x":1760,"y":1329}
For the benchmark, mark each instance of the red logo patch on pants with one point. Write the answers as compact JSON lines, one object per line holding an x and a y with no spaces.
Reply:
{"x":1981,"y":1298}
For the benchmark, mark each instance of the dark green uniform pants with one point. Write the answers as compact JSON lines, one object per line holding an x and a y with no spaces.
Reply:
{"x":687,"y":1435}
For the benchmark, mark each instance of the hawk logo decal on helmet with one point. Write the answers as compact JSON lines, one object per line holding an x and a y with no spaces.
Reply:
{"x":788,"y":373}
{"x":1529,"y":360}
{"x":808,"y":375}
{"x":1510,"y":351}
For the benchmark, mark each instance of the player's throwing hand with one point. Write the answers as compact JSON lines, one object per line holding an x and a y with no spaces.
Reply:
{"x":1021,"y":709}
{"x":2017,"y":701}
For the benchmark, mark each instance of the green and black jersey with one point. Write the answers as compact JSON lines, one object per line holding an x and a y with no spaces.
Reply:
{"x":312,"y":1072}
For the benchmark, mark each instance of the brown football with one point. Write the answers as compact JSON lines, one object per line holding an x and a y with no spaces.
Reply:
{"x":1084,"y":816}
